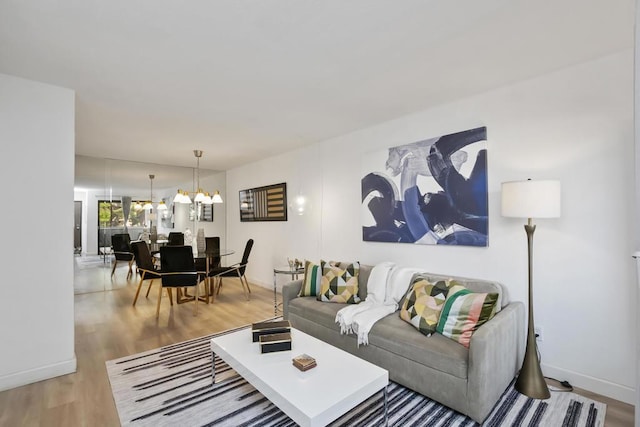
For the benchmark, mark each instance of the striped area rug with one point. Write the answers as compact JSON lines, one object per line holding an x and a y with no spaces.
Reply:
{"x":171,"y":386}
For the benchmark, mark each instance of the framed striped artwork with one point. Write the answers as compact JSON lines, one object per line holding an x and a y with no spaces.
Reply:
{"x":267,"y":203}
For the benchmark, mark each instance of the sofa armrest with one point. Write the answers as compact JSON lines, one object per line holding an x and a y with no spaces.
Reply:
{"x":289,"y":292}
{"x":495,"y":355}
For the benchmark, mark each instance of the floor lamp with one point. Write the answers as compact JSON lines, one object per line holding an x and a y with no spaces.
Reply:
{"x":531,"y":199}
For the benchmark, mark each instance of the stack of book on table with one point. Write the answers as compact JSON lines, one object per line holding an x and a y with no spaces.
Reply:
{"x":272,"y":336}
{"x":268,"y":328}
{"x":304,"y":362}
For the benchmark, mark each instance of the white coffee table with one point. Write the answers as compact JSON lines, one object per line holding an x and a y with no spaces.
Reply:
{"x":315,"y":397}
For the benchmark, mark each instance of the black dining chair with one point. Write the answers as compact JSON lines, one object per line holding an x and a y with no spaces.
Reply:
{"x":121,"y":247}
{"x":235,"y":270}
{"x":146,"y":267}
{"x":175,"y":239}
{"x":178,"y":271}
{"x":212,"y":249}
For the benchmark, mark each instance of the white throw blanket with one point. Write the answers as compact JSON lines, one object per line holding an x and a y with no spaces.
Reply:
{"x":399,"y":282}
{"x":359,"y":319}
{"x":397,"y":285}
{"x":376,"y":292}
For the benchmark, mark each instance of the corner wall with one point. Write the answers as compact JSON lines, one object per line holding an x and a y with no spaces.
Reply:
{"x":575,"y":125}
{"x":36,"y":308}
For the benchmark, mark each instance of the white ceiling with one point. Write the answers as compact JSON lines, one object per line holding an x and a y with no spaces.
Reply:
{"x":244,"y":79}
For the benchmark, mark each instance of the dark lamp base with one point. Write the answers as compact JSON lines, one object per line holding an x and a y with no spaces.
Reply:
{"x":530,"y":381}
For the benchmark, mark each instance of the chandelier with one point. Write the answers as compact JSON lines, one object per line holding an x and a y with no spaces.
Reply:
{"x":199,"y":196}
{"x":149,"y":204}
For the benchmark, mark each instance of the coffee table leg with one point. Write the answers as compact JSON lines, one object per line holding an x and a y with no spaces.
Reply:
{"x":213,"y":367}
{"x":386,"y":407}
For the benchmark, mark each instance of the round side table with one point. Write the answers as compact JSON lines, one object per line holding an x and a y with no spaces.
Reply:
{"x":286,"y":271}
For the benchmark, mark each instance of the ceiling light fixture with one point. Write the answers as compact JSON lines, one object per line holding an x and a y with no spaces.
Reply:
{"x":199,"y":196}
{"x":149,"y":204}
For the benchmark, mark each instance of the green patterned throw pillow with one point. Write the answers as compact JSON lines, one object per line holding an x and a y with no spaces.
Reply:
{"x":463,"y":312}
{"x":339,"y":285}
{"x":424,"y":301}
{"x":311,"y":282}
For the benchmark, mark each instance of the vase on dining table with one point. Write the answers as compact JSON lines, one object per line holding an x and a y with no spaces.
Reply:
{"x":200,"y":240}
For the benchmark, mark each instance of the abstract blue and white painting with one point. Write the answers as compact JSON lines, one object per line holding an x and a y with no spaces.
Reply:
{"x":430,"y":192}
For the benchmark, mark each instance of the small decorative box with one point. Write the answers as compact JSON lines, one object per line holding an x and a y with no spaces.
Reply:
{"x":266,"y":328}
{"x":275,"y":342}
{"x":304,"y":362}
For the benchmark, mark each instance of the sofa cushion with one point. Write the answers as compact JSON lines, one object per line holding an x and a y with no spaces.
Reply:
{"x":311,"y":280}
{"x":315,"y":311}
{"x":477,"y":285}
{"x":463,"y":312}
{"x":424,"y":301}
{"x":436,"y":351}
{"x":338,"y":284}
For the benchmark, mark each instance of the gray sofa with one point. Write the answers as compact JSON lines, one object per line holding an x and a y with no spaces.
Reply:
{"x":468,"y":380}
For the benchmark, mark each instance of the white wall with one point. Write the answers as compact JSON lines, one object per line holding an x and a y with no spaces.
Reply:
{"x":575,"y":125}
{"x":275,"y":241}
{"x":36,"y":307}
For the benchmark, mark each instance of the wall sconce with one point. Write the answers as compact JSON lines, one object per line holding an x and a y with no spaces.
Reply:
{"x":299,"y":205}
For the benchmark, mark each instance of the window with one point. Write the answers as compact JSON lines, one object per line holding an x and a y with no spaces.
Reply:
{"x":111,"y":214}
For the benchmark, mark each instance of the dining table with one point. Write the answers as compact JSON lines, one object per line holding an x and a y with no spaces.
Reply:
{"x":208,"y":255}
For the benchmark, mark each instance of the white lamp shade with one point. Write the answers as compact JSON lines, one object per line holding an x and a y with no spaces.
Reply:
{"x":216,"y":198}
{"x":207,"y":200}
{"x":531,"y":199}
{"x":147,"y":206}
{"x":199,"y":197}
{"x":181,"y":197}
{"x":162,"y":206}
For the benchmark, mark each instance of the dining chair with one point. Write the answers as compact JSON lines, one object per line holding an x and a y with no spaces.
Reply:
{"x":178,"y":271}
{"x":235,"y":270}
{"x":175,"y":239}
{"x":212,"y":246}
{"x":146,"y":267}
{"x":120,"y":245}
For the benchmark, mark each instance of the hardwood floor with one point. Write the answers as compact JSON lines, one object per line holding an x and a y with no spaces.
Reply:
{"x":108,"y":327}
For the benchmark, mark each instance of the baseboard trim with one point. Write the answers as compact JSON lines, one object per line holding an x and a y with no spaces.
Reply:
{"x":615,"y":391}
{"x":38,"y":374}
{"x":262,"y":284}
